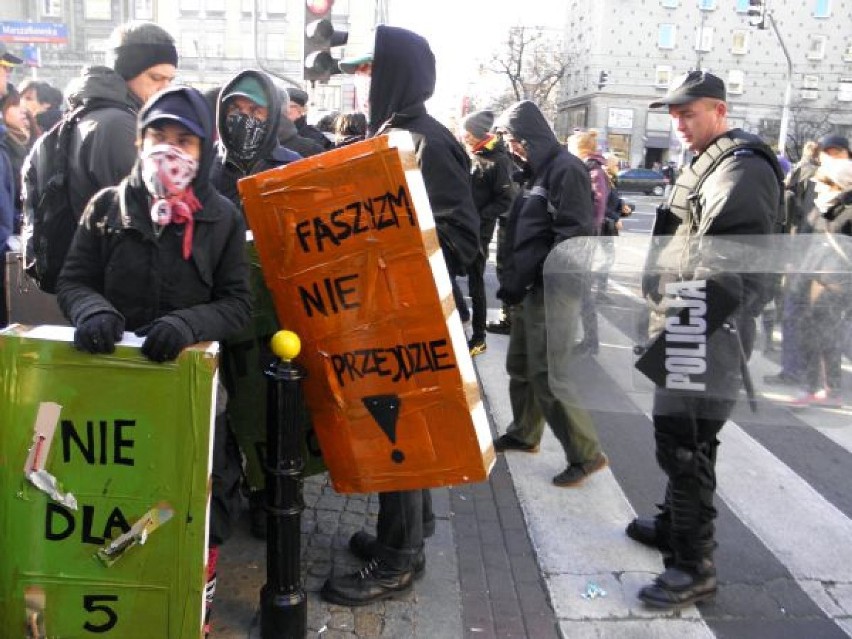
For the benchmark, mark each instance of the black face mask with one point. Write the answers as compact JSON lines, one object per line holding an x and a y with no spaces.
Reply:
{"x":245,"y":134}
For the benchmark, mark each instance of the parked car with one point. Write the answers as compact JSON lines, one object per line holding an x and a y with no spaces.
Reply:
{"x":645,"y":181}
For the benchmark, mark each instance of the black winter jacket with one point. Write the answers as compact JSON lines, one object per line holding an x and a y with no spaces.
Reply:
{"x":556,"y":203}
{"x":117,"y":264}
{"x":312,"y":133}
{"x":491,"y":178}
{"x":288,"y":136}
{"x":104,"y":144}
{"x":403,"y":78}
{"x":737,"y":202}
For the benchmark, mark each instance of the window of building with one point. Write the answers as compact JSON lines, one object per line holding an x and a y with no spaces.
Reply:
{"x":190,"y":44}
{"x":735,"y":82}
{"x":666,"y":36}
{"x":96,"y":45}
{"x":743,"y":6}
{"x":847,"y":54}
{"x":51,"y":8}
{"x":214,"y":44}
{"x":739,"y":45}
{"x":246,"y":6}
{"x":704,"y":38}
{"x":809,"y":94}
{"x":707,"y":5}
{"x":276,"y":46}
{"x":98,"y":9}
{"x":276,"y":7}
{"x":189,"y":5}
{"x":844,"y":90}
{"x":810,"y":82}
{"x":143,"y":9}
{"x":822,"y":8}
{"x":247,"y":47}
{"x":816,"y":47}
{"x":214,"y":6}
{"x":663,"y":77}
{"x":671,"y":4}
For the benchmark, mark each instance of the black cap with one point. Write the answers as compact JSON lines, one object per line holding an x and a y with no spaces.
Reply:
{"x":173,"y":107}
{"x":691,"y":86}
{"x":8,"y":59}
{"x":297,"y":95}
{"x":834,"y":142}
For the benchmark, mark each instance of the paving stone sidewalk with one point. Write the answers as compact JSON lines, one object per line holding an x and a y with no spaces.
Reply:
{"x":482,"y":578}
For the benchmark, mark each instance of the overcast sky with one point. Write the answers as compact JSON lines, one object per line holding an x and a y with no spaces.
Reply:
{"x":463,"y":33}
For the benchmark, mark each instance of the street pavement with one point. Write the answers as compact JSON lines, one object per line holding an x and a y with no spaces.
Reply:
{"x":519,"y":557}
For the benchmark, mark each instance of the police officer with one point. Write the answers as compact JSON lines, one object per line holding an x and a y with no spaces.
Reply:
{"x":731,"y":188}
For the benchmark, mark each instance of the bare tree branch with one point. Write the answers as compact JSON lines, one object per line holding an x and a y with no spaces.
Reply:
{"x":533,"y":64}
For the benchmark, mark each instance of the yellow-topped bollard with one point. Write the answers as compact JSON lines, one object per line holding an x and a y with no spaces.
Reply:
{"x":286,"y":345}
{"x":283,"y":601}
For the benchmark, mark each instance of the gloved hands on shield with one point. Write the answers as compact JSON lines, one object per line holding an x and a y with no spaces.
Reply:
{"x":165,"y":338}
{"x":99,"y":333}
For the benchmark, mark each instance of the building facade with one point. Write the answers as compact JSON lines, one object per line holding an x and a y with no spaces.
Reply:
{"x":215,"y":38}
{"x":622,"y":54}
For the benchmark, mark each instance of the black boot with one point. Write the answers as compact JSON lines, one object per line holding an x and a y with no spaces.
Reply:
{"x":681,"y":585}
{"x":374,"y":582}
{"x":650,"y":531}
{"x":503,"y":327}
{"x":364,"y":546}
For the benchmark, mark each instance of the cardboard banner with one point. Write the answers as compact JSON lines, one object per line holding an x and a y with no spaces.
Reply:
{"x":104,"y":469}
{"x":350,"y":255}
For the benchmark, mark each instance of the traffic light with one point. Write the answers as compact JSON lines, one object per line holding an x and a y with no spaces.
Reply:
{"x":602,"y":79}
{"x":320,"y":37}
{"x":757,"y":13}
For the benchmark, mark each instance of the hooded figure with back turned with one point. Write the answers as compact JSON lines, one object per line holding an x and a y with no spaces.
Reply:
{"x":402,"y":78}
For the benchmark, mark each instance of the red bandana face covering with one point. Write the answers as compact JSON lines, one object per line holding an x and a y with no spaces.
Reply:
{"x":167,"y":173}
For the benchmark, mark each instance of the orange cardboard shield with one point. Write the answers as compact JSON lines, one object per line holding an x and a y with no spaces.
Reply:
{"x":349,"y":252}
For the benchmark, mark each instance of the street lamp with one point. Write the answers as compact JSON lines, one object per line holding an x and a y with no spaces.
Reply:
{"x":758,"y":13}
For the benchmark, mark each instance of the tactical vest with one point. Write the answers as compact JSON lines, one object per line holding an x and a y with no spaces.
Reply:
{"x":683,"y":202}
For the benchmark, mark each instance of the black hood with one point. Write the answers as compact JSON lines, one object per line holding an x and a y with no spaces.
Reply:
{"x":403,"y":75}
{"x":273,"y":97}
{"x":201,"y":183}
{"x":525,"y":121}
{"x":101,"y":83}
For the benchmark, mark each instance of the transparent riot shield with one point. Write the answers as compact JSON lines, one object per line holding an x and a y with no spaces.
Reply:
{"x":749,"y":326}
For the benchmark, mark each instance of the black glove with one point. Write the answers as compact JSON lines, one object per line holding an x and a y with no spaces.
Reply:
{"x":99,"y":333}
{"x":165,"y":338}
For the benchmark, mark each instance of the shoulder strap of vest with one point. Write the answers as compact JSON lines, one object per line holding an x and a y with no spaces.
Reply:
{"x":688,"y":185}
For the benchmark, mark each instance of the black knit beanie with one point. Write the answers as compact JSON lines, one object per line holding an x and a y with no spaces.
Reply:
{"x":141,"y":47}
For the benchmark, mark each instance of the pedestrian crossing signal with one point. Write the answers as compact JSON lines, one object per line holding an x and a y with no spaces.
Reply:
{"x":320,"y":36}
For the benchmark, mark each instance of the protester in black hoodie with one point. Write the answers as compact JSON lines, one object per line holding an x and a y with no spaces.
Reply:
{"x":248,"y":112}
{"x":402,"y":79}
{"x":556,"y":204}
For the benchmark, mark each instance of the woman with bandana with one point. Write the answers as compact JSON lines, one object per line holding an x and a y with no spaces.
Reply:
{"x":163,"y":254}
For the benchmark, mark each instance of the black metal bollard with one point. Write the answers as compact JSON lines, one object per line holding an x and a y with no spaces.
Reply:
{"x":283,"y":602}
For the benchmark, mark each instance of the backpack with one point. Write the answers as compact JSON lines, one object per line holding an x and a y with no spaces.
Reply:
{"x":49,"y":220}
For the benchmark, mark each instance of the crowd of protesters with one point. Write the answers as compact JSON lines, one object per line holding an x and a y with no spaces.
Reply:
{"x":170,"y":158}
